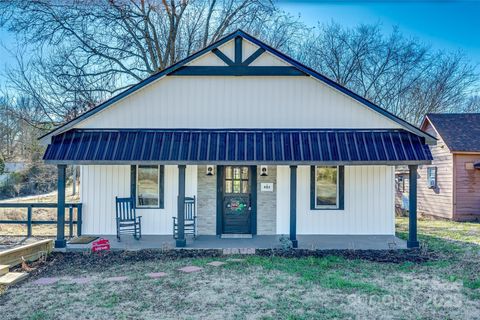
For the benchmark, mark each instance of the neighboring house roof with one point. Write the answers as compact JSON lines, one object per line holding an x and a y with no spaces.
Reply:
{"x":239,"y":33}
{"x":341,"y":146}
{"x":459,"y":131}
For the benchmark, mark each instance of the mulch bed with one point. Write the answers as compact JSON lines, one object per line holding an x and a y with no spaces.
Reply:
{"x":57,"y":261}
{"x":387,"y":256}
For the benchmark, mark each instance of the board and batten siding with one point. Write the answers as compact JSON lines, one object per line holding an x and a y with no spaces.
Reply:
{"x":467,"y":188}
{"x":438,"y":201}
{"x":237,"y":102}
{"x":101,"y":183}
{"x":369,"y":203}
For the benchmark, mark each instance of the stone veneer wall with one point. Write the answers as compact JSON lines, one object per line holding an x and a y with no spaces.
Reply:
{"x":206,"y":202}
{"x":267,"y":203}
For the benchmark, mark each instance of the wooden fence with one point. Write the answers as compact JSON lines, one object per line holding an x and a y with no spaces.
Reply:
{"x":30,"y":210}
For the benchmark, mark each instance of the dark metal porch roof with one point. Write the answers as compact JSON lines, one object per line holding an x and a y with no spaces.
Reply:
{"x":247,"y":146}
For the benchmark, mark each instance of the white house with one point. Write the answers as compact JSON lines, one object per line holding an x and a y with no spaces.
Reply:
{"x":266,"y":145}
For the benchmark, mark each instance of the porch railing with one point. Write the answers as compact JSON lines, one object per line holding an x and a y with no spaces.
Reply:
{"x":30,"y":210}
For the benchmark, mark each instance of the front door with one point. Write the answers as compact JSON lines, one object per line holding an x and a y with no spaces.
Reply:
{"x":237,"y":205}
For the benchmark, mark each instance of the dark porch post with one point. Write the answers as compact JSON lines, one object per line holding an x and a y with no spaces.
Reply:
{"x":60,"y":242}
{"x":181,"y":241}
{"x":412,"y":208}
{"x":293,"y":206}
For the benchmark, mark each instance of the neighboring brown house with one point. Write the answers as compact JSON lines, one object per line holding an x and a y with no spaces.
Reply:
{"x":449,"y":187}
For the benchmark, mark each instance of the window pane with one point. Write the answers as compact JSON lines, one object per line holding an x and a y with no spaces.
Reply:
{"x":245,"y":173}
{"x":236,"y":173}
{"x":245,"y":186}
{"x":147,"y":186}
{"x":326,"y":186}
{"x":236,"y":186}
{"x":228,"y":173}
{"x":228,"y":186}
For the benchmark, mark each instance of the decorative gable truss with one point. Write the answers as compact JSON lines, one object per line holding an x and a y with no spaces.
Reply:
{"x":225,"y":58}
{"x":238,"y":66}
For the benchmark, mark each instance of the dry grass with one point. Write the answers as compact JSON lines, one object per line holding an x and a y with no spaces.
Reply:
{"x":259,"y":288}
{"x":37,"y":214}
{"x":331,"y":287}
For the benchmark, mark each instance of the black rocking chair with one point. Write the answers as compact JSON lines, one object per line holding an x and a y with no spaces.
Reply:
{"x":190,"y":216}
{"x":127,"y":220}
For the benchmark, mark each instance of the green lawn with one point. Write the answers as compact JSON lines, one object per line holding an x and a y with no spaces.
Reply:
{"x":332,"y":287}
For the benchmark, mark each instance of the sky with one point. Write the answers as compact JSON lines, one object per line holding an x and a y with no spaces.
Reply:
{"x":444,"y":24}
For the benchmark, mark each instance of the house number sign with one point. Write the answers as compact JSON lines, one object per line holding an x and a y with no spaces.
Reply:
{"x":266,"y":187}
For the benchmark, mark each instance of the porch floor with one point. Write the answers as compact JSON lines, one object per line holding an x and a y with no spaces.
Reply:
{"x":318,"y":242}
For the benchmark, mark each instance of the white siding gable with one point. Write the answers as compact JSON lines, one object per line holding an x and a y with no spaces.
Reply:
{"x":238,"y":102}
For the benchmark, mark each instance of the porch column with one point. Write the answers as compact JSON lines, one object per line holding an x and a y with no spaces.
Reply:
{"x":60,"y":242}
{"x":412,"y":208}
{"x":181,"y":241}
{"x":293,"y":206}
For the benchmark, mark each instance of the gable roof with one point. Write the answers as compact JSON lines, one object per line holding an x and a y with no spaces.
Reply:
{"x":460,"y":131}
{"x":239,"y":33}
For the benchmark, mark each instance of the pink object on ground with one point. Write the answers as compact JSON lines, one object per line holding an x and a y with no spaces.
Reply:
{"x":46,"y":281}
{"x":100,"y":245}
{"x":156,"y":275}
{"x":216,"y":263}
{"x":190,"y":269}
{"x":117,"y":279}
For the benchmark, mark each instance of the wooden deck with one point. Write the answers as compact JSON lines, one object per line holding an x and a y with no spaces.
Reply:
{"x":29,"y":252}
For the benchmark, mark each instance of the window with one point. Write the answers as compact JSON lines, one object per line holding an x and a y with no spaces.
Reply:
{"x":402,"y":183}
{"x":327,"y":187}
{"x":432,"y":177}
{"x":148,"y":186}
{"x":236,"y":180}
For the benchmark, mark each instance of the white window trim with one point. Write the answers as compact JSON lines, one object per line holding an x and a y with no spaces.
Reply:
{"x":137,"y":205}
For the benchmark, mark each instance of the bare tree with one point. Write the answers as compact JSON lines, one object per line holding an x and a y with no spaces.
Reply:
{"x":402,"y":75}
{"x":18,"y":137}
{"x":84,"y":52}
{"x":472,"y":104}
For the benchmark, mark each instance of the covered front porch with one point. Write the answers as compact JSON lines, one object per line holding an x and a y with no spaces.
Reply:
{"x":310,"y":242}
{"x":362,"y":215}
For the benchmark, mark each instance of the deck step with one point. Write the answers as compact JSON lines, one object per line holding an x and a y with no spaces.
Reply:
{"x":4,"y":269}
{"x":12,"y":278}
{"x":236,"y":236}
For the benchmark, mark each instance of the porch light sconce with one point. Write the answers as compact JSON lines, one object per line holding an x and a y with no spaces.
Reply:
{"x":210,"y":170}
{"x":263,"y":171}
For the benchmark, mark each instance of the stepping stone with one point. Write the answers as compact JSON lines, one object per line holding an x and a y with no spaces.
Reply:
{"x":236,"y":260}
{"x":216,"y":263}
{"x":190,"y":269}
{"x":156,"y":275}
{"x":117,"y":279}
{"x":46,"y":281}
{"x":80,"y":280}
